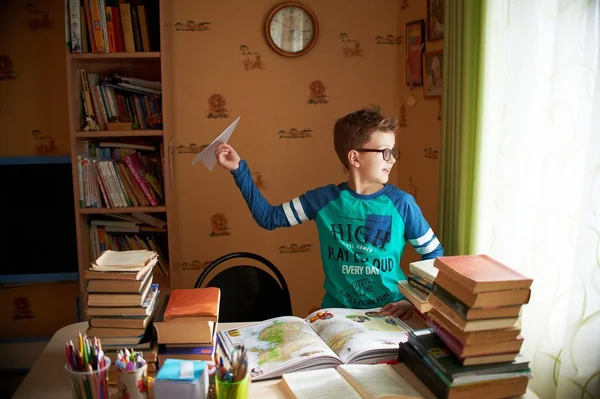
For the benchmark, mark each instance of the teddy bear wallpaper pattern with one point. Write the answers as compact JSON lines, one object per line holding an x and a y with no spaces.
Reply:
{"x":287,"y":99}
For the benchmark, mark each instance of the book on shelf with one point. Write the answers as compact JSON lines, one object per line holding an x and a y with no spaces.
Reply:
{"x":326,"y":338}
{"x":349,"y":381}
{"x":503,"y":384}
{"x":116,"y":178}
{"x":481,"y":273}
{"x":110,"y":100}
{"x":104,"y":26}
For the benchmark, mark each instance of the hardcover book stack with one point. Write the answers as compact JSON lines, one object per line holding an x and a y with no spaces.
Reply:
{"x":186,"y":324}
{"x":419,"y":283}
{"x":472,"y":347}
{"x":122,"y":299}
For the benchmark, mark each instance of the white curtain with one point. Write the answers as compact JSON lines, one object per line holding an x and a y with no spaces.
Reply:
{"x":538,"y":204}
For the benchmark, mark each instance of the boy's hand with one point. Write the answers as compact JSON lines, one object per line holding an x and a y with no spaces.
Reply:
{"x":400,"y":309}
{"x":227,"y":157}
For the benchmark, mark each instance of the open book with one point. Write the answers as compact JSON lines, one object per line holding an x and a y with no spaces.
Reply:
{"x":349,"y":381}
{"x":326,"y":338}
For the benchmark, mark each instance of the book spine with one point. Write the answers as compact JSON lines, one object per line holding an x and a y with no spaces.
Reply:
{"x":453,"y":302}
{"x":118,"y":30}
{"x":412,"y":359}
{"x":135,"y":21}
{"x":450,"y":340}
{"x":110,"y":30}
{"x":136,"y":166}
{"x":127,"y":27}
{"x":144,"y":27}
{"x":84,"y":31}
{"x":90,"y":26}
{"x":431,"y":361}
{"x":75,"y":19}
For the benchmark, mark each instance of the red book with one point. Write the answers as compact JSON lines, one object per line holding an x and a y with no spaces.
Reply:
{"x":463,"y":351}
{"x":194,"y":302}
{"x":481,"y":273}
{"x":135,"y":164}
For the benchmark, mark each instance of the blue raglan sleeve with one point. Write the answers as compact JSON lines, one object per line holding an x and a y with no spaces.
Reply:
{"x":416,"y":229}
{"x":299,"y":210}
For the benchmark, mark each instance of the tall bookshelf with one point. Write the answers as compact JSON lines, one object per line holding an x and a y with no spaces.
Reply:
{"x":147,"y":65}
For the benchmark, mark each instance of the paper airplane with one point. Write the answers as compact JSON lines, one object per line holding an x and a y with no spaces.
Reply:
{"x":207,"y":156}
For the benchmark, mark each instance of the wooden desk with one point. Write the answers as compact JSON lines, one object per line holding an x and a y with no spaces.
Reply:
{"x":48,"y":379}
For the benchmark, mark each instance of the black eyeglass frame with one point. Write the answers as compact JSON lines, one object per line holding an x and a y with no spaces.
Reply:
{"x":393,"y":152}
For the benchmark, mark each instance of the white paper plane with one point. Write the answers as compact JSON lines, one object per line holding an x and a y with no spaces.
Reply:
{"x":208,"y":157}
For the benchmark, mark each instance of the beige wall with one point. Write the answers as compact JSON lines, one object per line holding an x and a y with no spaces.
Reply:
{"x":268,"y":100}
{"x":33,"y":38}
{"x":276,"y":98}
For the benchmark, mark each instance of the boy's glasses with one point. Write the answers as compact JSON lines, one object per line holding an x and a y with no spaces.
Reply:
{"x":386,"y":152}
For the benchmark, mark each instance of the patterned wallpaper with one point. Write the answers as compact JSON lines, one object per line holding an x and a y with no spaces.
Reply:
{"x":288,"y":107}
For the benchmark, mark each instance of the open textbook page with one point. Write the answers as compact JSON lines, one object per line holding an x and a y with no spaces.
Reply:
{"x":326,"y":338}
{"x":379,"y":381}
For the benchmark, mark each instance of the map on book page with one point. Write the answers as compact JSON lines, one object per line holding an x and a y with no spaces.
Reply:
{"x":207,"y":156}
{"x":326,"y":338}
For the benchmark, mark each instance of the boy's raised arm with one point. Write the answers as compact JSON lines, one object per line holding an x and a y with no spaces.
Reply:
{"x":266,"y":215}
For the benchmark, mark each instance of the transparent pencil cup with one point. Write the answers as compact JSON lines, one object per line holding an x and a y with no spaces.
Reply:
{"x":233,"y":390}
{"x":132,"y":384}
{"x":89,"y":385}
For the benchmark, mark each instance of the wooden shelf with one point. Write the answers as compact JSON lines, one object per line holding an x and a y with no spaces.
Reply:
{"x":129,"y":209}
{"x":119,"y":133}
{"x":119,"y":56}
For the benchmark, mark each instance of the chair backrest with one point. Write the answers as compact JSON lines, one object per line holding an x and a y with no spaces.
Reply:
{"x":248,"y":293}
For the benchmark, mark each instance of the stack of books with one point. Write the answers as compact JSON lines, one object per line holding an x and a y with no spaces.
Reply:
{"x":419,"y":283}
{"x":186,"y":324}
{"x":122,"y":299}
{"x":473,"y":345}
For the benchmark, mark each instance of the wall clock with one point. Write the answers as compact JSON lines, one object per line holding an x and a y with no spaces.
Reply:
{"x":291,"y":29}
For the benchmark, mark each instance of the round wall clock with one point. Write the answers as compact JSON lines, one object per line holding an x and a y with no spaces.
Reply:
{"x":291,"y":29}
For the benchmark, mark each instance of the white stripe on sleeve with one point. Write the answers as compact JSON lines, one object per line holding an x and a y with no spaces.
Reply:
{"x":415,"y":242}
{"x":299,"y":209}
{"x":429,"y":248}
{"x":289,"y":214}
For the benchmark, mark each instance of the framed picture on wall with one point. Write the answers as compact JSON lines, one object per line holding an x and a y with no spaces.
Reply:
{"x":415,"y":45}
{"x":435,"y":20}
{"x":433,"y":62}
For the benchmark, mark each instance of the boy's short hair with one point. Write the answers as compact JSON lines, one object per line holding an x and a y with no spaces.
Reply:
{"x":354,"y":130}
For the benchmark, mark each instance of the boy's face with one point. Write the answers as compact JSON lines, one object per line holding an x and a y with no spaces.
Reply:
{"x":373,"y":168}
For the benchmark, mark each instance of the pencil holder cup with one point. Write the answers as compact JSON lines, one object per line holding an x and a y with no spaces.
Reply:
{"x":132,"y":384}
{"x":233,"y":390}
{"x":89,"y":385}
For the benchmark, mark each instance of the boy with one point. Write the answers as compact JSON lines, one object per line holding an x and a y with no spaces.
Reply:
{"x":363,"y":224}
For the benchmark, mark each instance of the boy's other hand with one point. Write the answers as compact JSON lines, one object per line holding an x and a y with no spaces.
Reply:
{"x":227,"y":157}
{"x":400,"y":309}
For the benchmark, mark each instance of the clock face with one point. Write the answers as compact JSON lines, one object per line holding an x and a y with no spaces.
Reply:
{"x":292,"y":30}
